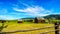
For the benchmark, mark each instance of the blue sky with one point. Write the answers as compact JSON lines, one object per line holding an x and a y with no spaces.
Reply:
{"x":15,"y":9}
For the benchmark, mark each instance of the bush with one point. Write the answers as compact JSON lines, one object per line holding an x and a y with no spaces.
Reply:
{"x":54,"y":21}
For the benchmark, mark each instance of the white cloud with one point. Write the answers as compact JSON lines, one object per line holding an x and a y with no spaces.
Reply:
{"x":34,"y":11}
{"x":7,"y":17}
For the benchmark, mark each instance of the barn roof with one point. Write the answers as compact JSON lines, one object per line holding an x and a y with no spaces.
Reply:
{"x":41,"y":18}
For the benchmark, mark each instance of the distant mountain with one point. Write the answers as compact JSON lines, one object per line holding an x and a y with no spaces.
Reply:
{"x":28,"y":18}
{"x":56,"y":16}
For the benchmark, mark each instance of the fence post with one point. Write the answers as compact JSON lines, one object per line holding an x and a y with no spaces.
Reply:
{"x":56,"y":27}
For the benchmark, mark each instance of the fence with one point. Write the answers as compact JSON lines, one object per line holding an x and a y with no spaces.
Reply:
{"x":56,"y":26}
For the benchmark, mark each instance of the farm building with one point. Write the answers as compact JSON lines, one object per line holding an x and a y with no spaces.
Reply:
{"x":41,"y":20}
{"x":2,"y":21}
{"x":20,"y":21}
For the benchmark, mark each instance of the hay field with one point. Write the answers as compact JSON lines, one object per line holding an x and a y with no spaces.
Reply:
{"x":23,"y":26}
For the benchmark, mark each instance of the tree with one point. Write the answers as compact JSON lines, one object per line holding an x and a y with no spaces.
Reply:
{"x":2,"y":27}
{"x":36,"y":20}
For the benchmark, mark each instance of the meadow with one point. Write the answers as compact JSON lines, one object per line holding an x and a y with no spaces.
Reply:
{"x":12,"y":26}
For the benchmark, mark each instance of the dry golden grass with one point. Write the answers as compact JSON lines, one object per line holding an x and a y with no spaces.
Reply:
{"x":15,"y":26}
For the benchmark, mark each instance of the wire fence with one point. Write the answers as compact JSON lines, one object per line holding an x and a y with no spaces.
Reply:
{"x":56,"y":26}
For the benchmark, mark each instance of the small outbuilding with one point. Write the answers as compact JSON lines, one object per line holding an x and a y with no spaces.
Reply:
{"x":20,"y":21}
{"x":2,"y":21}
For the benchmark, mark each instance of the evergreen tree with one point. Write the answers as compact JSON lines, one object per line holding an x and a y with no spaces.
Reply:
{"x":36,"y":20}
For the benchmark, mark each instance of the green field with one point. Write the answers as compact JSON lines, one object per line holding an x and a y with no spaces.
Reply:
{"x":23,"y":26}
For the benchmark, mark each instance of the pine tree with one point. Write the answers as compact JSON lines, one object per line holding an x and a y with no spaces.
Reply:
{"x":36,"y":20}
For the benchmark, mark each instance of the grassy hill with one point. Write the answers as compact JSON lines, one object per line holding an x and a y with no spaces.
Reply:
{"x":56,"y":16}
